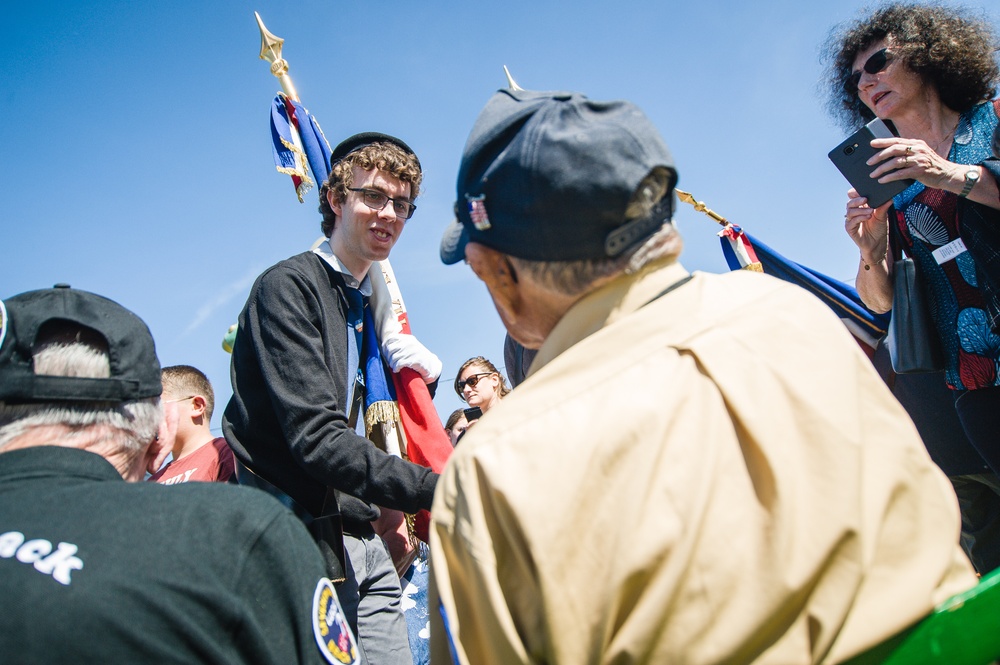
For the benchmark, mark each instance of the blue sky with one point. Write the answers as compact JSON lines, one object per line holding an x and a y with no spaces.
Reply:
{"x":136,"y":160}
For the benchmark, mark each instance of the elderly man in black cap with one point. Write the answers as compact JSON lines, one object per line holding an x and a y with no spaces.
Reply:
{"x":97,"y":570}
{"x":298,"y":382}
{"x":698,"y":468}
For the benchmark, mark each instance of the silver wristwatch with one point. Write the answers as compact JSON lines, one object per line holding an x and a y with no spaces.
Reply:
{"x":971,"y":178}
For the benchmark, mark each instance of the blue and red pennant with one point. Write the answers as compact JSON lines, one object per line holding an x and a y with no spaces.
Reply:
{"x":743,"y":252}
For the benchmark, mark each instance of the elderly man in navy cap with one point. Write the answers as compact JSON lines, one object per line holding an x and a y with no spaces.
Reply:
{"x":697,"y":468}
{"x":98,"y":570}
{"x":298,"y":383}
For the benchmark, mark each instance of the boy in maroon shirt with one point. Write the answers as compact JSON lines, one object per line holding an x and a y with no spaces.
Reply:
{"x":197,"y":455}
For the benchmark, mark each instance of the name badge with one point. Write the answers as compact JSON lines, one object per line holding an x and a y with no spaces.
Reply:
{"x":946,"y":253}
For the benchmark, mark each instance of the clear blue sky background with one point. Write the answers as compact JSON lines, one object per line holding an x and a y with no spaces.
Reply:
{"x":136,"y":161}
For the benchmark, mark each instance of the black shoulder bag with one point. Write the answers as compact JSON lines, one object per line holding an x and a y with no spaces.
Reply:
{"x":912,"y":340}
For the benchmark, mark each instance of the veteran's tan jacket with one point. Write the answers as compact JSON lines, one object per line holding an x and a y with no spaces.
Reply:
{"x":718,"y":476}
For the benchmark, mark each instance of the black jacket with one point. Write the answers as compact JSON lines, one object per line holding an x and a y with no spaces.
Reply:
{"x":287,"y":419}
{"x":97,"y":570}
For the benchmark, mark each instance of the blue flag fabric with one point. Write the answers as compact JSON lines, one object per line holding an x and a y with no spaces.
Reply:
{"x":298,"y":144}
{"x":842,"y":298}
{"x":313,"y":142}
{"x":377,"y":387}
{"x":287,"y":156}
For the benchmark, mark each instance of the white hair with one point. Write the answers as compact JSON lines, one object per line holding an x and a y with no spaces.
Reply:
{"x":132,"y":424}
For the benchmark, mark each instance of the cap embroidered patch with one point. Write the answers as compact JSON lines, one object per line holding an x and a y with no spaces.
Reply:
{"x":477,"y":211}
{"x":333,"y":635}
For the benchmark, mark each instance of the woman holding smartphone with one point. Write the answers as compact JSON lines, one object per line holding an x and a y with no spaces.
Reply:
{"x":480,"y":385}
{"x":931,"y":72}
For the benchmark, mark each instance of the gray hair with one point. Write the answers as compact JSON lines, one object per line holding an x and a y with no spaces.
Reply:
{"x":573,"y":278}
{"x":132,"y":425}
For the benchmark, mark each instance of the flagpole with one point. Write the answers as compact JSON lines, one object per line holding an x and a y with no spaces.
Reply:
{"x":699,"y":206}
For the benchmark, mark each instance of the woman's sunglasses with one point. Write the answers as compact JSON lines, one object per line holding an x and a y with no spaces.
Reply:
{"x":472,"y":381}
{"x":878,"y":61}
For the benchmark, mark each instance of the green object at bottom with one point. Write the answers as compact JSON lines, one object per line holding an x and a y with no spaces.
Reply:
{"x":963,"y":630}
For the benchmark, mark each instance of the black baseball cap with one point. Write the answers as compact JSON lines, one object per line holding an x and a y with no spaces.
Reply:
{"x":358,"y":141}
{"x":549,"y":175}
{"x":135,"y":369}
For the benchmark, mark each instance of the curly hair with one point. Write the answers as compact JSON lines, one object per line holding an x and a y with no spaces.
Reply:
{"x":950,"y":49}
{"x":480,"y":361}
{"x":382,"y":156}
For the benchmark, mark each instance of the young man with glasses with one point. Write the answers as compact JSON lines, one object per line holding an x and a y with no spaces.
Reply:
{"x":297,"y":377}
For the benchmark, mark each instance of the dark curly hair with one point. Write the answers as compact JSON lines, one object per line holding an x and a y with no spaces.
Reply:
{"x":386,"y":157}
{"x":949,"y":48}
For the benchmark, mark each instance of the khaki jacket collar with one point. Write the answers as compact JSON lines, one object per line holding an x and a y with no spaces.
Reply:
{"x":613,"y":301}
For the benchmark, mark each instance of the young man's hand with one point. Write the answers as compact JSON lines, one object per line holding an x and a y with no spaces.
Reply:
{"x":406,"y":351}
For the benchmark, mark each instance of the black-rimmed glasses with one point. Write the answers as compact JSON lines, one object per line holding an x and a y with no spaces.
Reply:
{"x":878,"y":61}
{"x":376,"y":200}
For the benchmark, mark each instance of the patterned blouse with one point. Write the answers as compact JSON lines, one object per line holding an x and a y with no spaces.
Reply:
{"x":928,"y":220}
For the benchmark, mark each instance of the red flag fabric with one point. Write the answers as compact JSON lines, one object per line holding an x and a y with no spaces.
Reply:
{"x":427,"y":443}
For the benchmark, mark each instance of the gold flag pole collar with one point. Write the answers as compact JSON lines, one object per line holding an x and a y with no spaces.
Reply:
{"x":270,"y":50}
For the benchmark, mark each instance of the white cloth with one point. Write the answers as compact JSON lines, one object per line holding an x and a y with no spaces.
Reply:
{"x":407,"y":351}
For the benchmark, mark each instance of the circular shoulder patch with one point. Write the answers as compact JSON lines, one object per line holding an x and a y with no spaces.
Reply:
{"x":333,"y":635}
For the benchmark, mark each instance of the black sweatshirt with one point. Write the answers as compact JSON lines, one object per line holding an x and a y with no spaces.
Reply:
{"x":287,"y":419}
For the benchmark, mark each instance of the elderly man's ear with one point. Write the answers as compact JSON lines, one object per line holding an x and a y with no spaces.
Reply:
{"x":528,"y":310}
{"x":496,"y":271}
{"x":156,"y":453}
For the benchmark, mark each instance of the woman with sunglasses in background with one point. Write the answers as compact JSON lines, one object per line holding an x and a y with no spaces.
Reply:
{"x":480,"y":384}
{"x":931,"y":72}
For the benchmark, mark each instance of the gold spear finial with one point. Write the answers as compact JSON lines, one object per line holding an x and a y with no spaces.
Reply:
{"x":511,"y":83}
{"x":700,"y":206}
{"x":270,"y":50}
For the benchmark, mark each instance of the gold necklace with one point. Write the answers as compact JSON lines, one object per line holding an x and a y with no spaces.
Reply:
{"x":947,"y":138}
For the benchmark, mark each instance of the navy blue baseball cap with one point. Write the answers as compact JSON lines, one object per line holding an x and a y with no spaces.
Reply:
{"x":547,"y":176}
{"x":135,"y":368}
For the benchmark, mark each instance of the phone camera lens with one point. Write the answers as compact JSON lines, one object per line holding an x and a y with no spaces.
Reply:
{"x":850,"y":149}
